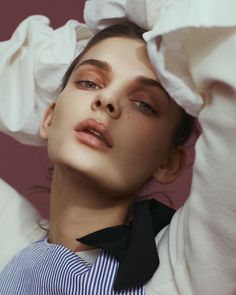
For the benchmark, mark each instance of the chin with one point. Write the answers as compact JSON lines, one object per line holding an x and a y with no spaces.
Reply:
{"x":94,"y":168}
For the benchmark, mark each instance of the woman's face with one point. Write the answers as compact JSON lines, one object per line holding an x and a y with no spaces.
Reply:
{"x":112,"y":124}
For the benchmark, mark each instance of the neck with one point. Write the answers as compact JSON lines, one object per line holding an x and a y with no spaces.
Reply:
{"x":79,"y":208}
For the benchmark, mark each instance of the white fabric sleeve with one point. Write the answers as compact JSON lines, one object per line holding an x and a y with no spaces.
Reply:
{"x":197,"y":251}
{"x":192,"y":45}
{"x":32,"y":64}
{"x":168,"y":21}
{"x":19,"y":223}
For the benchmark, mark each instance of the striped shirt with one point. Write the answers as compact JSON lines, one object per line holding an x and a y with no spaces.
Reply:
{"x":50,"y":269}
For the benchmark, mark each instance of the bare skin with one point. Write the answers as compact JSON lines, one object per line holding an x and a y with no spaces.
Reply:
{"x":72,"y":217}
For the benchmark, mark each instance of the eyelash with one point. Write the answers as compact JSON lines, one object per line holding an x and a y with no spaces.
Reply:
{"x":145,"y":107}
{"x":87,"y":84}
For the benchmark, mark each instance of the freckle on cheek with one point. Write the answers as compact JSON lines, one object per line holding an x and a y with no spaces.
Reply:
{"x":128,"y":116}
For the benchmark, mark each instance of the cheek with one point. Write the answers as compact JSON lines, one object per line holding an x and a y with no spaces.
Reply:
{"x":143,"y":146}
{"x":67,"y":112}
{"x":148,"y":136}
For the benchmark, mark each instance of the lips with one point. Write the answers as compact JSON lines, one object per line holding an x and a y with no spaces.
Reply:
{"x":94,"y":133}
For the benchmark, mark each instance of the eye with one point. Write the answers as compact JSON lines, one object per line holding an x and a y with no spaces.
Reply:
{"x":86,"y":84}
{"x":145,"y":107}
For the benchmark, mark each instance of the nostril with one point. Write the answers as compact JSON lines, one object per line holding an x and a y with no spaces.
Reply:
{"x":110,"y":108}
{"x":98,"y":103}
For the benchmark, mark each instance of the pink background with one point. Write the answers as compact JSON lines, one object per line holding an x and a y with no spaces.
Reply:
{"x":23,"y":166}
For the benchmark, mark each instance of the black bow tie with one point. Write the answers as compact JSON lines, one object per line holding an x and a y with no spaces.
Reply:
{"x":134,"y":245}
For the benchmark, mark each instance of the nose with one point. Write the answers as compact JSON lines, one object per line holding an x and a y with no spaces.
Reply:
{"x":107,"y":104}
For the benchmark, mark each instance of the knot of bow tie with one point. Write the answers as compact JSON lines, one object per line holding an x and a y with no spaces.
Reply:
{"x":134,"y":245}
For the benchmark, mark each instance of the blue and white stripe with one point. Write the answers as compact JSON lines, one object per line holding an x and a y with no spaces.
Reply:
{"x":50,"y":269}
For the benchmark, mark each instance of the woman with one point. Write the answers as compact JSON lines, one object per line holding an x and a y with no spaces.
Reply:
{"x":114,"y":116}
{"x":197,"y":249}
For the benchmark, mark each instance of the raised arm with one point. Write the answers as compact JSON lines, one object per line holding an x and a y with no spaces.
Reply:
{"x":32,"y":64}
{"x":198,"y":249}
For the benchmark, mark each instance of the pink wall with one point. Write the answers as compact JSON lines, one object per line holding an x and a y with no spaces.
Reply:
{"x":24,"y":166}
{"x":13,"y":12}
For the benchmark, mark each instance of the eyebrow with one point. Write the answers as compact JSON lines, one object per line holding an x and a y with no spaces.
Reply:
{"x":97,"y":63}
{"x":153,"y":83}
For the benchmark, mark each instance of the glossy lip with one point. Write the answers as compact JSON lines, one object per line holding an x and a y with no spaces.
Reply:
{"x":90,"y":139}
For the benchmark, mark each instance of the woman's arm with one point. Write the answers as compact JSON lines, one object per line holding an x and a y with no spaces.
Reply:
{"x":197,"y":251}
{"x":32,"y":64}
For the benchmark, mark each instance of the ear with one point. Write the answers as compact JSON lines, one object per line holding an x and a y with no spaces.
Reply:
{"x":47,"y":121}
{"x":174,"y":165}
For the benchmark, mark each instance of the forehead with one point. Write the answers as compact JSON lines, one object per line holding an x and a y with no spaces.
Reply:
{"x":123,"y":55}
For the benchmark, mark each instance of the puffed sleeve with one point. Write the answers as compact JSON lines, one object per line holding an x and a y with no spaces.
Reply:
{"x":32,"y":64}
{"x":170,"y":22}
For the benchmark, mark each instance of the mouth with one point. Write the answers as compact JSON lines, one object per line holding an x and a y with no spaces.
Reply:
{"x":94,"y":133}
